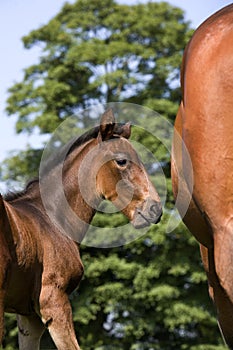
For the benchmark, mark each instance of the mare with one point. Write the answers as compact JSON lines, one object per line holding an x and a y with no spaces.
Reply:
{"x":204,"y":123}
{"x":40,"y":265}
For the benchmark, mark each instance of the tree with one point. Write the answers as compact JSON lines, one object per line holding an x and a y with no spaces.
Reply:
{"x":100,"y":52}
{"x":152,"y":293}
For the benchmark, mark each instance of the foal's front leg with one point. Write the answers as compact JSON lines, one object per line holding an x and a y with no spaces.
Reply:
{"x":1,"y":318}
{"x":56,"y":314}
{"x":30,"y":331}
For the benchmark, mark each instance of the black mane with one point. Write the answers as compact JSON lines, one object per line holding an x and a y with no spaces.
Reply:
{"x":54,"y":161}
{"x":87,"y":136}
{"x":11,"y":195}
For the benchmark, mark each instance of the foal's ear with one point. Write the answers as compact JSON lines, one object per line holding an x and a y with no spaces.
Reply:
{"x":107,"y":125}
{"x":125,"y":130}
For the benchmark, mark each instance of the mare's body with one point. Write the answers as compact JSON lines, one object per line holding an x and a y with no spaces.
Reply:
{"x":205,"y":124}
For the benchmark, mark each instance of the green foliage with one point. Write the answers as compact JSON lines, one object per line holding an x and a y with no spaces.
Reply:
{"x":151,"y":293}
{"x":11,"y":332}
{"x":20,"y":167}
{"x":100,"y":52}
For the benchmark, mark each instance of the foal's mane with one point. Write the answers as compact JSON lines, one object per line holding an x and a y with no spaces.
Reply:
{"x":64,"y":151}
{"x":55,"y":159}
{"x":53,"y":162}
{"x":13,"y":195}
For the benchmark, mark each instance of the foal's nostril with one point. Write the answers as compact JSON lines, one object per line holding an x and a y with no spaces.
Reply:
{"x":153,"y":208}
{"x":156,"y":209}
{"x":159,"y":217}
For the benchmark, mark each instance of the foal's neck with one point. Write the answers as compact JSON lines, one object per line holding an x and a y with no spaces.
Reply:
{"x":69,"y":200}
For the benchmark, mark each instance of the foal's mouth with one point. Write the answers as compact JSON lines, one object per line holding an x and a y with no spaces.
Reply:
{"x":150,"y":213}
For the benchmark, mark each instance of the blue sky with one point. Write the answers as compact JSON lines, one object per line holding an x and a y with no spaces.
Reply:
{"x":18,"y":18}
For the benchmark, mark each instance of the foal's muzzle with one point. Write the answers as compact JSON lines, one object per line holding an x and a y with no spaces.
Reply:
{"x":149,"y":212}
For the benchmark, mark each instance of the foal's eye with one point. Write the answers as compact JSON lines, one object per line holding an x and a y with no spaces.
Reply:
{"x":121,"y":162}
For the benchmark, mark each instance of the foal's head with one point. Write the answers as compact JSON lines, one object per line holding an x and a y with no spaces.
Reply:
{"x":121,"y":176}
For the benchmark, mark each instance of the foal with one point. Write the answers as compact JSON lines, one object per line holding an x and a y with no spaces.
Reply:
{"x":40,"y":264}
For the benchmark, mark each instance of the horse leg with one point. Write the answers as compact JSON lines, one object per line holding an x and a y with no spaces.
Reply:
{"x":3,"y":273}
{"x":200,"y":228}
{"x":1,"y":317}
{"x":56,"y":314}
{"x":220,"y":298}
{"x":30,"y":331}
{"x":223,"y":266}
